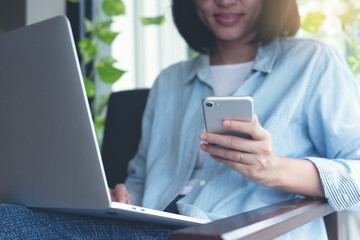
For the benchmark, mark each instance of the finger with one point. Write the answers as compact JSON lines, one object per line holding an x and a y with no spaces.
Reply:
{"x":236,"y":143}
{"x":226,"y":153}
{"x":120,"y":192}
{"x":254,"y":129}
{"x":241,"y":168}
{"x":256,"y":119}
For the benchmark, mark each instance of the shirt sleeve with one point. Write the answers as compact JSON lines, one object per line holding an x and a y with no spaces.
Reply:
{"x":332,"y":109}
{"x":135,"y":181}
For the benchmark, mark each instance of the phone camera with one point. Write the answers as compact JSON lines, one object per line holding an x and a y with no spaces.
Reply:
{"x":209,"y":104}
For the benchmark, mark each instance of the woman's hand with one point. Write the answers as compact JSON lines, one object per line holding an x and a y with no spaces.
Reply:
{"x":120,"y":194}
{"x":253,"y":158}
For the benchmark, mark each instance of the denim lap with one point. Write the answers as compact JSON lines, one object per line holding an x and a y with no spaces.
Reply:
{"x":17,"y":222}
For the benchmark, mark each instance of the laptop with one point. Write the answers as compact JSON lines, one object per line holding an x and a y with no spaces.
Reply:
{"x":49,"y":156}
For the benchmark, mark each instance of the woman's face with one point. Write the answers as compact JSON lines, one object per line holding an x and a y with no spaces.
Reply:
{"x":229,"y":20}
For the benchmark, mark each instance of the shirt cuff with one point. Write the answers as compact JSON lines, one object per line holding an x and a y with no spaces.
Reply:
{"x":340,"y":188}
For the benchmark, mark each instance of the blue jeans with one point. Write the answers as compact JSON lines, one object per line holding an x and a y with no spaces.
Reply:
{"x":17,"y":222}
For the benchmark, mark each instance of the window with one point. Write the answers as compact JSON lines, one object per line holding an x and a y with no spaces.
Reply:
{"x":143,"y":51}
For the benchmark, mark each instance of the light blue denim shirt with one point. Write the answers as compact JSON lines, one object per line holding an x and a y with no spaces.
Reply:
{"x":303,"y":94}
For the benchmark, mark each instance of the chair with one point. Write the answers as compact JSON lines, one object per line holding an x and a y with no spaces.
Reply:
{"x":123,"y":131}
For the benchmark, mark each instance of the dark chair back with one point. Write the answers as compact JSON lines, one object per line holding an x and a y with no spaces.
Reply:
{"x":122,"y":132}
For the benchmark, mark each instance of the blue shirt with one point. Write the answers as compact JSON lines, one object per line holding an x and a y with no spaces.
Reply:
{"x":303,"y":94}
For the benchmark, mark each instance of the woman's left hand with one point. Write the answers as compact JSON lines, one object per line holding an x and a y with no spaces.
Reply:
{"x":253,"y":158}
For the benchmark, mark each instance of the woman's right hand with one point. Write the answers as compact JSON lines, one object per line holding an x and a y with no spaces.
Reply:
{"x":120,"y":194}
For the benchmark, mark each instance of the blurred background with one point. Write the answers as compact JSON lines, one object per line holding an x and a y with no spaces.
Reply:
{"x":124,"y":44}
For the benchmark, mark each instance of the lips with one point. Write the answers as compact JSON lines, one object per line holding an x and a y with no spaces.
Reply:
{"x":227,"y":19}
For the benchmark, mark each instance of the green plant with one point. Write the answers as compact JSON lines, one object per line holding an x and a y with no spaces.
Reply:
{"x":153,"y":21}
{"x":349,"y":18}
{"x":103,"y":69}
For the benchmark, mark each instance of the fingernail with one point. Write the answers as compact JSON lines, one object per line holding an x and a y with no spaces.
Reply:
{"x":227,"y":123}
{"x":203,"y":147}
{"x":203,"y":136}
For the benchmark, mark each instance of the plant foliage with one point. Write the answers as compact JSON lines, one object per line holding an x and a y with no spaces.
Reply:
{"x":113,"y":7}
{"x":153,"y":21}
{"x":99,"y":31}
{"x":313,"y":21}
{"x":104,"y":70}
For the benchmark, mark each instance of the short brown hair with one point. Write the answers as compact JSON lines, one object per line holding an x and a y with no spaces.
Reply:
{"x":278,"y":18}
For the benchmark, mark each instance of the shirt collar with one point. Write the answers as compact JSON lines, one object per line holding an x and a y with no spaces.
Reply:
{"x":264,"y":62}
{"x":200,"y":68}
{"x":266,"y":57}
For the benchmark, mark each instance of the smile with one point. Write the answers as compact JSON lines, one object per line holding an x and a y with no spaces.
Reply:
{"x":227,"y":19}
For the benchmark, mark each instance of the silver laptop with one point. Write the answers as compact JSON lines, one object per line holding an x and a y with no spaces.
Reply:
{"x":49,"y":156}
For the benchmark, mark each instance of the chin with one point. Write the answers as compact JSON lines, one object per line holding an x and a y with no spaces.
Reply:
{"x":229,"y":38}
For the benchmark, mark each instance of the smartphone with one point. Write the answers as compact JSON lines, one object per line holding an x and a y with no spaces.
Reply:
{"x":218,"y":109}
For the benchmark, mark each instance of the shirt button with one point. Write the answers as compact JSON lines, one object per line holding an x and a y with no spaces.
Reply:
{"x":202,"y":183}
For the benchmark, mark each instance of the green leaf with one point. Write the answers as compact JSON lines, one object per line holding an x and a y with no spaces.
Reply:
{"x":105,"y":35}
{"x":348,"y":18}
{"x":74,"y":1}
{"x":89,"y":26}
{"x":88,"y":49}
{"x":104,"y":23}
{"x":153,"y":21}
{"x":106,"y":71}
{"x":312,"y":21}
{"x":113,"y":7}
{"x":89,"y":86}
{"x":354,"y":63}
{"x":100,"y":122}
{"x":1,"y":31}
{"x":353,"y":44}
{"x":192,"y":53}
{"x":99,"y":125}
{"x":101,"y":30}
{"x":103,"y":101}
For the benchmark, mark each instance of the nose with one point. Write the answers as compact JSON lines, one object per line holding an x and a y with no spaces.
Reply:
{"x":225,"y":3}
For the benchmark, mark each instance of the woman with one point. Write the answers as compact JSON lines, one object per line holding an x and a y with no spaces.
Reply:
{"x":304,"y":142}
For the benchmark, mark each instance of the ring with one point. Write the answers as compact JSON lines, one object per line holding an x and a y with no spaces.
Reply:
{"x":242,"y":156}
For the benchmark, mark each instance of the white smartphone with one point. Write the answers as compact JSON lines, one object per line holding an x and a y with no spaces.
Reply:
{"x":218,"y":109}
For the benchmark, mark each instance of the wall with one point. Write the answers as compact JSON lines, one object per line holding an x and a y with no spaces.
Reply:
{"x":38,"y":10}
{"x":12,"y":14}
{"x":18,"y":13}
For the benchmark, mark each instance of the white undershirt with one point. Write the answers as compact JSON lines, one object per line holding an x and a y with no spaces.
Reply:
{"x":225,"y":80}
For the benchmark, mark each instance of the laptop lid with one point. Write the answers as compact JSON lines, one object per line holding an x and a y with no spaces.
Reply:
{"x":49,"y":156}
